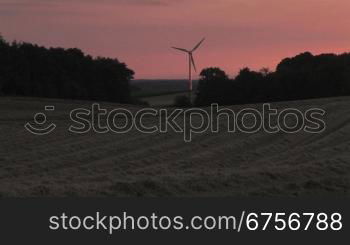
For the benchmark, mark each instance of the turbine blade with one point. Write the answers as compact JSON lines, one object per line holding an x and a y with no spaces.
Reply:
{"x":181,"y":49}
{"x":199,"y":44}
{"x":192,"y":60}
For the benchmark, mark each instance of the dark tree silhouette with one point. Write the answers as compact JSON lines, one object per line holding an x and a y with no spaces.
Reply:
{"x":304,"y":76}
{"x":30,"y":70}
{"x":212,"y":87}
{"x":182,"y":101}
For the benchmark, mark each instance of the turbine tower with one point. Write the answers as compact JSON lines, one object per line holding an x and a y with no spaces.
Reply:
{"x":191,"y":63}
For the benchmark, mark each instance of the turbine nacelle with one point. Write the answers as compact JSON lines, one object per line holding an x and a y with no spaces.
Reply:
{"x":191,"y":63}
{"x":190,"y":54}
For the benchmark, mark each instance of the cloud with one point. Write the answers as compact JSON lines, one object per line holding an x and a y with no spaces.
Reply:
{"x":29,"y":3}
{"x":12,"y":7}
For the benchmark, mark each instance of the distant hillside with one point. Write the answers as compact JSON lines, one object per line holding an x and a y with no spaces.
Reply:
{"x":150,"y":88}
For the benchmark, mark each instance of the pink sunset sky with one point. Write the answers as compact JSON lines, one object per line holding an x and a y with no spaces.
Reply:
{"x":239,"y":33}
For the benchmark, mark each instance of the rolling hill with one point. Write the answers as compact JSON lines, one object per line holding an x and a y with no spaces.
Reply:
{"x":152,"y":165}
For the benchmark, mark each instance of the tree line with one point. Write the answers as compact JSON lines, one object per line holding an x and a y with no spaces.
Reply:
{"x":30,"y":70}
{"x":304,"y":76}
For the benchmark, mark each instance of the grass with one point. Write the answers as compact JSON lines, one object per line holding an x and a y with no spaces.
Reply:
{"x":159,"y":92}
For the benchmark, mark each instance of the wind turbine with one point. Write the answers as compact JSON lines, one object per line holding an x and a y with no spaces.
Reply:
{"x":190,"y":62}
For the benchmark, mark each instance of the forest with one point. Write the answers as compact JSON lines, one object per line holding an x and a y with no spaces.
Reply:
{"x":30,"y":70}
{"x":304,"y":76}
